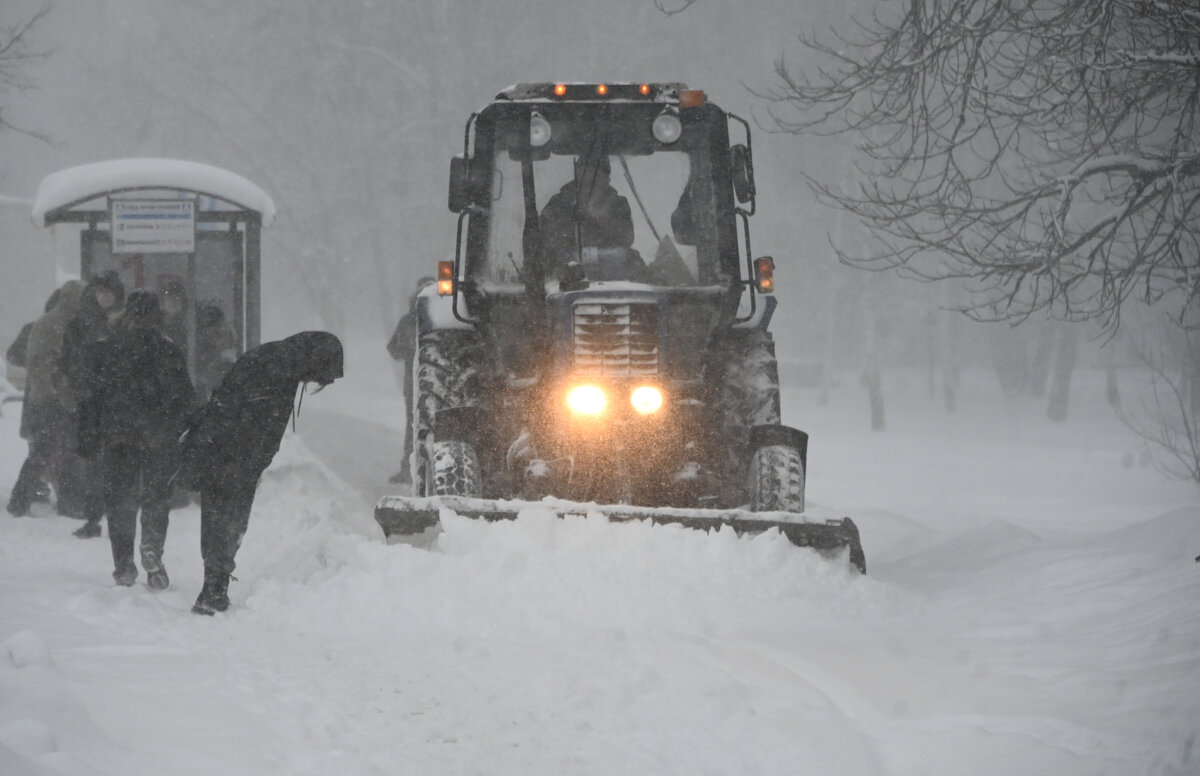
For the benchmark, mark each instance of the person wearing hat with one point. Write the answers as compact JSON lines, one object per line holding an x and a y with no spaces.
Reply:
{"x":588,"y":215}
{"x":140,"y":400}
{"x":83,"y":490}
{"x":234,"y":437}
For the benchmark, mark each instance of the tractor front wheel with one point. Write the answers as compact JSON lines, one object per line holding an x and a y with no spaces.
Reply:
{"x":776,"y":479}
{"x":456,"y":470}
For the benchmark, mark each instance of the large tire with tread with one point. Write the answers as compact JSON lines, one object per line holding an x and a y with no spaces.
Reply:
{"x":447,"y":374}
{"x":455,"y":469}
{"x":775,"y":479}
{"x":748,"y":396}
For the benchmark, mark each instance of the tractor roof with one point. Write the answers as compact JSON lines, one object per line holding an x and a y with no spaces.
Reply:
{"x":668,"y":93}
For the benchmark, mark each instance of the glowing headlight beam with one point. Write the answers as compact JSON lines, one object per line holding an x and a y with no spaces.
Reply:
{"x":646,"y":400}
{"x":587,"y":400}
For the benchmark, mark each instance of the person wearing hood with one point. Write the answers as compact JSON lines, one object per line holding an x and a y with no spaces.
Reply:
{"x":141,"y":396}
{"x":103,"y":298}
{"x":46,"y":414}
{"x":234,"y":437}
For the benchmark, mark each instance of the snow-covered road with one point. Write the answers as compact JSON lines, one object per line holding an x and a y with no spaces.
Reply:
{"x":1030,"y":608}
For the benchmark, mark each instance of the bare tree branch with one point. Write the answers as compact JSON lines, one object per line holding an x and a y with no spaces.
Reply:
{"x":16,"y":58}
{"x":677,"y":6}
{"x":1047,"y":152}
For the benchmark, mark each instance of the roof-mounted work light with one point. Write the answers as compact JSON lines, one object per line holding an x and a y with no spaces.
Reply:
{"x":666,"y":128}
{"x":539,"y":130}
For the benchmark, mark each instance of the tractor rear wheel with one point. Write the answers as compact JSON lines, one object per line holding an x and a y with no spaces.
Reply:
{"x":446,"y":374}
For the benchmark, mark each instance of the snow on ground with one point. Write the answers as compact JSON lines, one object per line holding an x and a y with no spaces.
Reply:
{"x":1030,"y":608}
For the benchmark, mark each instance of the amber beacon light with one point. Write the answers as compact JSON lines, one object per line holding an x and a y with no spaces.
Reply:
{"x":764,"y":271}
{"x":445,"y":278}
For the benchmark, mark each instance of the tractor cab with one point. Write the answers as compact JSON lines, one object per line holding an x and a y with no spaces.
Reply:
{"x":599,"y":190}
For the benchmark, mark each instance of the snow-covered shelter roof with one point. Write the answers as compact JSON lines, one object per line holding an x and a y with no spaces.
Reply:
{"x":77,"y":185}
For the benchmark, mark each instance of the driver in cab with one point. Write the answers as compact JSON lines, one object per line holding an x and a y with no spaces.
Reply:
{"x":587,"y":221}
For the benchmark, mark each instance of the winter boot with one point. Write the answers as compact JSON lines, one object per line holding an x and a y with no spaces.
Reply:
{"x":214,"y":596}
{"x":125,"y":575}
{"x":89,"y":530}
{"x":156,"y":573}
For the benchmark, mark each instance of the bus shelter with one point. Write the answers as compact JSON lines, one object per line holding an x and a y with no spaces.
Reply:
{"x":175,"y":227}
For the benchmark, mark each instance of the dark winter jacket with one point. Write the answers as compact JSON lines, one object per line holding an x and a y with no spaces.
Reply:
{"x":18,"y":351}
{"x":604,"y":221}
{"x":403,"y":343}
{"x":237,"y":432}
{"x":216,"y":349}
{"x":141,"y":392}
{"x":90,"y":325}
{"x":400,"y":346}
{"x":45,"y":384}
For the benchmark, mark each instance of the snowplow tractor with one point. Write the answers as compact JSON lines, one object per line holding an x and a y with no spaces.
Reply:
{"x":600,"y":343}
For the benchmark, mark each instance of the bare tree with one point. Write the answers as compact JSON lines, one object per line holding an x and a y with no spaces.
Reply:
{"x":1044,"y":152}
{"x":1167,"y":415}
{"x":17,"y":55}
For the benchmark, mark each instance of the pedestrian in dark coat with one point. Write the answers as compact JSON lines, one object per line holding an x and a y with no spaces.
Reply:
{"x":46,"y":412}
{"x":234,"y":437}
{"x":83,"y":485}
{"x":18,"y":351}
{"x":141,"y":398}
{"x":402,"y":348}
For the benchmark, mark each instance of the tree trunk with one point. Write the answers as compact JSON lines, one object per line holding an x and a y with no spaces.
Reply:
{"x":1039,"y":368}
{"x":1112,"y":390}
{"x":828,"y":343}
{"x":946,"y":351}
{"x":874,"y":385}
{"x":871,"y":378}
{"x":1064,"y":366}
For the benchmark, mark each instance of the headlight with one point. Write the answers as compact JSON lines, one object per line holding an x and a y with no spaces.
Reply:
{"x":587,"y":400}
{"x":666,"y":128}
{"x":646,"y":400}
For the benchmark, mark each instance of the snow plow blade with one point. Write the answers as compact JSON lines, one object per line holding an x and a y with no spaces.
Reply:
{"x":404,"y":516}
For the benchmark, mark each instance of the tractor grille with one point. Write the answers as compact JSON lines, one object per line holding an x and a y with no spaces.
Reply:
{"x":619,"y":339}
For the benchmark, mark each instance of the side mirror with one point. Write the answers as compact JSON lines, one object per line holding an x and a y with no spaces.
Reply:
{"x":458,"y":185}
{"x":742,"y":167}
